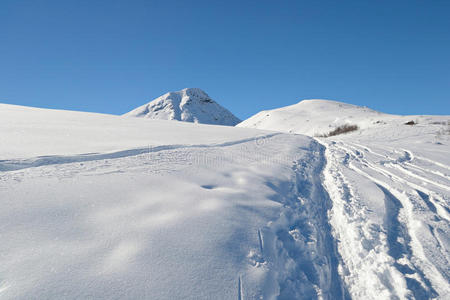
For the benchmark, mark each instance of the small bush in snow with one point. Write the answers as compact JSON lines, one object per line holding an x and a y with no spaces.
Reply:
{"x":340,"y":130}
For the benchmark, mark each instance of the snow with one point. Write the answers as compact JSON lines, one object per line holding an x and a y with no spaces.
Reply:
{"x":389,"y":184}
{"x":31,"y":132}
{"x":97,"y":206}
{"x":313,"y":117}
{"x":100,"y":206}
{"x":188,"y":105}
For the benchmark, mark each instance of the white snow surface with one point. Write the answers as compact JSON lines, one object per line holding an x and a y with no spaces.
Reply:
{"x":389,"y":185}
{"x":313,"y":117}
{"x":188,"y":105}
{"x":104,"y":207}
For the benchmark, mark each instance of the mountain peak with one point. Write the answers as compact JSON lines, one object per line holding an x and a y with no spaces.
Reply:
{"x":188,"y":105}
{"x":195,"y":92}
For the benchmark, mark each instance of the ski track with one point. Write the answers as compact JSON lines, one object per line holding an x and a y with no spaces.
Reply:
{"x":442,"y":205}
{"x":348,"y":217}
{"x":18,"y":164}
{"x":240,"y":290}
{"x":300,"y":245}
{"x":407,"y":259}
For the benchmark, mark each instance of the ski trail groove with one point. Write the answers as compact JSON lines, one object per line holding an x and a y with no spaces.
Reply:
{"x":18,"y":164}
{"x":399,"y":247}
{"x":240,"y":291}
{"x":261,"y":243}
{"x":422,"y":277}
{"x":299,"y":245}
{"x":309,"y":185}
{"x":361,"y":242}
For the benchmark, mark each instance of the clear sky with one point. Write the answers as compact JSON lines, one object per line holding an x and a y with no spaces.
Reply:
{"x":111,"y":56}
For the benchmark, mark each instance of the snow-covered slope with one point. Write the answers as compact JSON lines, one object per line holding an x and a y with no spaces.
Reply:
{"x":314,"y":117}
{"x":103,"y":207}
{"x":32,"y":132}
{"x":189,"y":105}
{"x":390,"y":188}
{"x":389,"y":185}
{"x":106,"y":207}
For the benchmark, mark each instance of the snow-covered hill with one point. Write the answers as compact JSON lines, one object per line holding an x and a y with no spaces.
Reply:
{"x":103,"y":207}
{"x":188,"y":105}
{"x":389,"y":185}
{"x":96,"y":206}
{"x":315,"y":117}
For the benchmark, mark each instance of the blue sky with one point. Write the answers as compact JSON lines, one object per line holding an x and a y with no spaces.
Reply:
{"x":111,"y":56}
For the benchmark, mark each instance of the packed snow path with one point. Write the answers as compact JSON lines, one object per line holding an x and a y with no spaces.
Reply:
{"x":390,"y":215}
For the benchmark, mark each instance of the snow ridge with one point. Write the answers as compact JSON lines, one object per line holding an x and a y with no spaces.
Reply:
{"x":188,"y":105}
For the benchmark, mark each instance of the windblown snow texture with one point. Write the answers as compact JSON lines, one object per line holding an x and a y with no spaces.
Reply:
{"x":188,"y":105}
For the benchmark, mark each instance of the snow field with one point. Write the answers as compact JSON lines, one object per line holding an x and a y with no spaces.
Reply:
{"x":98,"y":206}
{"x":227,"y":215}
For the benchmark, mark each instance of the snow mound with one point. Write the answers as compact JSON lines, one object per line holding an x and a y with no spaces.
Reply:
{"x":188,"y":105}
{"x":314,"y":117}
